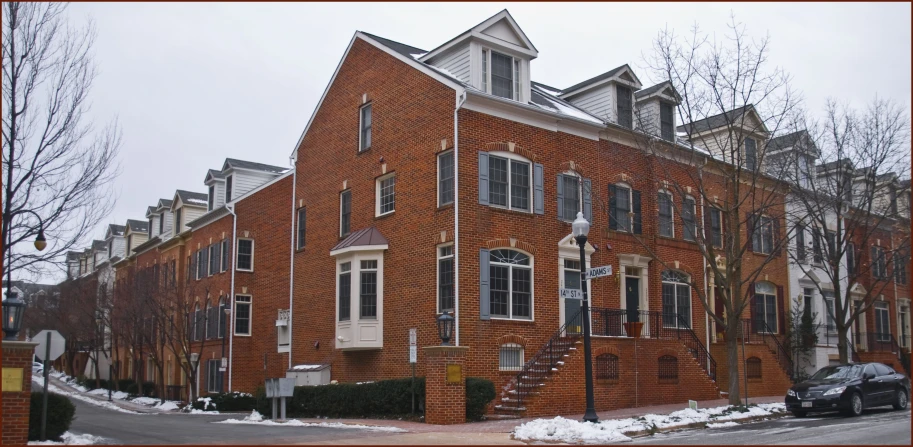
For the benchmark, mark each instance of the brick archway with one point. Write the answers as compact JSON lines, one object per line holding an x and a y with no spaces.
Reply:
{"x":512,"y":243}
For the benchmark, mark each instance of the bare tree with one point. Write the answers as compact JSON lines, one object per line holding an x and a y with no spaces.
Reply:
{"x":55,"y":163}
{"x":731,"y":102}
{"x":852,"y":212}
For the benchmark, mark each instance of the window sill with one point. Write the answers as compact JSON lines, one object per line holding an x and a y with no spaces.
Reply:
{"x":242,"y":335}
{"x":512,"y":320}
{"x":381,"y":216}
{"x":445,"y":206}
{"x":244,"y":271}
{"x":509,"y":211}
{"x":362,"y":151}
{"x":300,"y":250}
{"x":509,"y":372}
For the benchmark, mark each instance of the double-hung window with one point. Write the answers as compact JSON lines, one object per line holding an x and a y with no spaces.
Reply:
{"x":850,"y":258}
{"x":345,"y":291}
{"x":624,"y":209}
{"x":302,"y":226}
{"x":149,"y":229}
{"x":386,"y":194}
{"x":500,"y":75}
{"x":666,"y":121}
{"x":214,"y":258}
{"x":571,"y":197}
{"x":666,"y":227}
{"x":211,"y":198}
{"x":368,"y":295}
{"x":201,"y":263}
{"x":225,"y":253}
{"x":242,"y":314}
{"x":511,"y":292}
{"x":751,"y":154}
{"x":445,"y":279}
{"x":800,"y":242}
{"x":177,"y":222}
{"x":716,"y":226}
{"x":509,"y":182}
{"x":676,"y":300}
{"x":228,"y":189}
{"x":765,"y":307}
{"x":245,"y":255}
{"x":878,"y":263}
{"x":830,"y":320}
{"x":882,"y":321}
{"x":762,"y":237}
{"x":445,"y":174}
{"x":688,"y":222}
{"x":161,"y":224}
{"x":900,"y":269}
{"x":345,"y":213}
{"x":364,"y":134}
{"x":625,"y":109}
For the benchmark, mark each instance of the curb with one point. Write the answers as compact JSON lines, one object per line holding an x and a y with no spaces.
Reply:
{"x":694,"y":425}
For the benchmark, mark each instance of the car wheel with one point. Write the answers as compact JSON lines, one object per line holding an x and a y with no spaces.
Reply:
{"x":855,"y":405}
{"x":799,"y":414}
{"x":900,"y":401}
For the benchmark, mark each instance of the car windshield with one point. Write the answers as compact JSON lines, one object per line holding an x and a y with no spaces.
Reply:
{"x":838,"y":372}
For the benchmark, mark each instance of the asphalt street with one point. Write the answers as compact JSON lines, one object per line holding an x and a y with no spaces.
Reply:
{"x":880,"y":426}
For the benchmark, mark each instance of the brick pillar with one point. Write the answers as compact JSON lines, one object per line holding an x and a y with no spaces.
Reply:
{"x":445,"y":393}
{"x":17,"y":393}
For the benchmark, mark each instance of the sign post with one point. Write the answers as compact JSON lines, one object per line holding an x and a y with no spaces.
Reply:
{"x":50,"y":346}
{"x":413,"y":358}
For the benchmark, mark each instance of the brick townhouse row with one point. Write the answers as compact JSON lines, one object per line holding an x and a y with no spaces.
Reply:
{"x":447,"y":180}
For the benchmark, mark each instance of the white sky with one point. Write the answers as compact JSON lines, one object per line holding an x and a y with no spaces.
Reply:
{"x":192,"y":84}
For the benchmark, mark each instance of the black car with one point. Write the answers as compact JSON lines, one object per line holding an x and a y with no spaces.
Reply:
{"x":849,"y":388}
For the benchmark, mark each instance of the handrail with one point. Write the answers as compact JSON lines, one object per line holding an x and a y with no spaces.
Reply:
{"x":551,"y":351}
{"x":698,"y":350}
{"x":901,"y":355}
{"x":759,"y":327}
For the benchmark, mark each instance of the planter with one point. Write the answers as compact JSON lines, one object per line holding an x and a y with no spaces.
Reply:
{"x":633,"y":329}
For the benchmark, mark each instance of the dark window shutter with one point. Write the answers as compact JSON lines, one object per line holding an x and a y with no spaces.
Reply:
{"x":613,"y":223}
{"x":587,"y":200}
{"x":781,"y":311}
{"x":483,"y":178}
{"x":708,"y":237}
{"x":484,"y":285}
{"x":637,"y":224}
{"x":752,"y":306}
{"x":776,"y":238}
{"x":561,"y":196}
{"x":749,"y":219}
{"x":538,"y":189}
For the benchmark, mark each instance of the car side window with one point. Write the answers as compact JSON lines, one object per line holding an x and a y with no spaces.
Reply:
{"x":882,"y":370}
{"x":868,"y":370}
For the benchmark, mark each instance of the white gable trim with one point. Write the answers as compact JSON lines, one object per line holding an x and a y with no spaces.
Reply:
{"x":477,"y":32}
{"x":531,"y":115}
{"x":409,"y":61}
{"x":636,"y":85}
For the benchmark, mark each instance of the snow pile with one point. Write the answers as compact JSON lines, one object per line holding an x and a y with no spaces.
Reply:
{"x":256,"y":418}
{"x":119,"y":395}
{"x":72,"y":439}
{"x":168,"y":405}
{"x":98,"y":403}
{"x":560,"y":429}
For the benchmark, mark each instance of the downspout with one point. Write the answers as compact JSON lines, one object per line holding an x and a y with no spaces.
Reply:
{"x":707,"y":290}
{"x":291,"y":268}
{"x":461,"y":98}
{"x":234,"y":250}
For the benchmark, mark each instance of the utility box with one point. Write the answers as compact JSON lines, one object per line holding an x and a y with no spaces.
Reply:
{"x":309,"y":375}
{"x":280,"y":387}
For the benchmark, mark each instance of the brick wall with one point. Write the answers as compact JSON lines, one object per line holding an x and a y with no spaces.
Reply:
{"x":16,"y":405}
{"x":773,"y":380}
{"x":445,"y":403}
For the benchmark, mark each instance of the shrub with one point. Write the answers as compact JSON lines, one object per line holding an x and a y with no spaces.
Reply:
{"x":149,"y":389}
{"x":382,"y":398}
{"x":234,"y":401}
{"x":479,"y":392}
{"x":123,"y":384}
{"x":133,"y":389}
{"x":60,"y":415}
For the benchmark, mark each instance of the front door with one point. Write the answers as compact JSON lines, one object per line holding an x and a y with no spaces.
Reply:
{"x":632,"y":298}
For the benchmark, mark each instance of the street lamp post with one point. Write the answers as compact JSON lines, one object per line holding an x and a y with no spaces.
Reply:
{"x":581,"y":228}
{"x":13,"y":307}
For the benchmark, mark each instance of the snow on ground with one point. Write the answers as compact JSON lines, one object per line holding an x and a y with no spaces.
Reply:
{"x":560,"y":429}
{"x":98,"y":403}
{"x":723,"y":424}
{"x":119,"y":395}
{"x":255,"y":418}
{"x":168,"y":405}
{"x":72,"y":439}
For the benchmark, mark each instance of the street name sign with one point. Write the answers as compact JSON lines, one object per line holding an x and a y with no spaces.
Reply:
{"x":571,"y":294}
{"x":597,"y":272}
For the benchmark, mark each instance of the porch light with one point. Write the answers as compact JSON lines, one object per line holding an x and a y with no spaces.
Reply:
{"x":13,"y":308}
{"x":445,"y":328}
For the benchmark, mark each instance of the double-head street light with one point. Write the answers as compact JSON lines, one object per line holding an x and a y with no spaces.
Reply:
{"x":581,"y":228}
{"x":13,"y":307}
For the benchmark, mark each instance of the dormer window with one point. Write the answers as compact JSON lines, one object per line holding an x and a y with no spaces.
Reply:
{"x":149,"y":231}
{"x":500,"y":75}
{"x":751,"y":154}
{"x":177,"y":221}
{"x":211,"y":198}
{"x":624,"y":106}
{"x":228,"y":189}
{"x":161,"y":223}
{"x":666,"y":121}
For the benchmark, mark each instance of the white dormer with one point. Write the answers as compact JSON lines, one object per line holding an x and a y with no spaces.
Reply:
{"x":609,"y":96}
{"x":654,"y":110}
{"x":136,"y":233}
{"x":493,"y":56}
{"x":186,"y":207}
{"x":153,"y":218}
{"x":165,"y":224}
{"x":215,"y":184}
{"x":243,"y":176}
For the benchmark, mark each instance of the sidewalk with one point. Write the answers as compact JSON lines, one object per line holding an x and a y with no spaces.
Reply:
{"x":497,"y":431}
{"x":119,"y":403}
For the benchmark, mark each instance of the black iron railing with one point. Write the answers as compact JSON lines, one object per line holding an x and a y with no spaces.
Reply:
{"x":656,"y":324}
{"x":757,"y":331}
{"x":174,"y":392}
{"x":876,"y":341}
{"x":540,"y":366}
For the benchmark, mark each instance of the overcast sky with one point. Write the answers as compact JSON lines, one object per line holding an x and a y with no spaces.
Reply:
{"x":192,"y":84}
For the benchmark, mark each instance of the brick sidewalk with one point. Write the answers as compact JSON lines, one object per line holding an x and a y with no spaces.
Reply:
{"x":507,"y":425}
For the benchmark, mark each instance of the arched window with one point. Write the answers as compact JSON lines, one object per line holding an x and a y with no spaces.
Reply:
{"x":511,"y":292}
{"x":668,"y":368}
{"x":510,"y":357}
{"x":753,"y":368}
{"x":676,"y":300}
{"x":607,"y":367}
{"x":765,"y":307}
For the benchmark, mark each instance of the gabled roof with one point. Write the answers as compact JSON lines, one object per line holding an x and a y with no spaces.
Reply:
{"x":847,"y":165}
{"x":479,"y":31}
{"x":137,"y":226}
{"x":213,"y":174}
{"x":792,"y":140}
{"x":613,"y":73}
{"x":164,"y":203}
{"x":365,"y":237}
{"x":189,"y":198}
{"x":660,"y":88}
{"x":541,"y":98}
{"x":116,"y":230}
{"x":720,"y":120}
{"x":150,"y":210}
{"x":99,"y":245}
{"x":401,"y":48}
{"x":71,"y":256}
{"x":242,"y":164}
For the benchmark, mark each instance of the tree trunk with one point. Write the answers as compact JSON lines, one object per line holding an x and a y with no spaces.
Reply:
{"x":842,"y":346}
{"x":732,"y":354}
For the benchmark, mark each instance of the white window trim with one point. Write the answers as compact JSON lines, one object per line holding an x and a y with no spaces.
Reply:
{"x":773,"y":236}
{"x":238,"y":253}
{"x":511,"y":156}
{"x":522,"y":356}
{"x":361,"y":113}
{"x":377,"y":197}
{"x":229,"y":190}
{"x":341,"y":193}
{"x":671,"y":210}
{"x":630,"y":228}
{"x":643,"y":263}
{"x":250,"y":315}
{"x":437,"y":282}
{"x":299,"y":240}
{"x":223,"y":260}
{"x":516,"y":66}
{"x":776,"y":307}
{"x":439,"y":156}
{"x":212,"y":252}
{"x":279,"y":329}
{"x":694,"y":217}
{"x":510,"y":298}
{"x":350,"y":329}
{"x":579,"y":195}
{"x":690,"y":301}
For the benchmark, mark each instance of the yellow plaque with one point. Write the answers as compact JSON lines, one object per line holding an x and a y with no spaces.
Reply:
{"x":454,"y":373}
{"x":12,"y":379}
